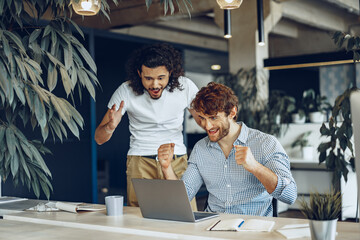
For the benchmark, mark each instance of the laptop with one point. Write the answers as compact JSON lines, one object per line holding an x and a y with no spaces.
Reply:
{"x":355,"y":117}
{"x":166,"y":200}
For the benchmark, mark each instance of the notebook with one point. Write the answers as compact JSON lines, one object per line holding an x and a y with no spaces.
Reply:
{"x":166,"y":200}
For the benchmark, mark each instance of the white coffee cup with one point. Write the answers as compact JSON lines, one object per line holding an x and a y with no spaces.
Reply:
{"x":114,"y":205}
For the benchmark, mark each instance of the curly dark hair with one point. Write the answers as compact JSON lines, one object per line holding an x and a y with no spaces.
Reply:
{"x":153,"y":56}
{"x":214,"y":98}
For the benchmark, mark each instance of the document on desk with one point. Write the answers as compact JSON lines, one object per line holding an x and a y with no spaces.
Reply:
{"x":66,"y":206}
{"x":76,"y":207}
{"x":239,"y":225}
{"x":295,"y":231}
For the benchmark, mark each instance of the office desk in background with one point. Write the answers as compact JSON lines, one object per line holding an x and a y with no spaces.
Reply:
{"x":133,"y":226}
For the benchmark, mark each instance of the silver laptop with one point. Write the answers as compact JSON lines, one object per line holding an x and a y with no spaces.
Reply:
{"x":355,"y":115}
{"x":166,"y":200}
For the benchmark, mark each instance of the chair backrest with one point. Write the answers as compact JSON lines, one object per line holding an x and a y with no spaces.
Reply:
{"x":275,"y":207}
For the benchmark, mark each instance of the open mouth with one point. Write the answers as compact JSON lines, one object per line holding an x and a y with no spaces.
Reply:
{"x":213,"y":131}
{"x":155,"y":91}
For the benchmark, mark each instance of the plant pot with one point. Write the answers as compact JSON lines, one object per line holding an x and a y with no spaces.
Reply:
{"x":297,"y":119}
{"x":323,"y":229}
{"x":316,"y":117}
{"x":278,"y":119}
{"x":308,"y":152}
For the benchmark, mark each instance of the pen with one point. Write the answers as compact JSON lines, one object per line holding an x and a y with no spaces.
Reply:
{"x":214,"y":225}
{"x":240,"y":224}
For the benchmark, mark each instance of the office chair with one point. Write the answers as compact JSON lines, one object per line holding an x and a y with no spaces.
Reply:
{"x":275,"y":207}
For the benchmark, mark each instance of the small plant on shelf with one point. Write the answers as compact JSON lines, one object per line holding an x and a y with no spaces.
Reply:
{"x":302,"y":140}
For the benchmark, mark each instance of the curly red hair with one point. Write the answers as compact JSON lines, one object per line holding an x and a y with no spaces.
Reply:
{"x":214,"y":98}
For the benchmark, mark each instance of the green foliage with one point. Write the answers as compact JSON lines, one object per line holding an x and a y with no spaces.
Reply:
{"x":169,"y":4}
{"x":313,"y":102}
{"x":254,"y":112}
{"x":35,"y":59}
{"x":340,"y":133}
{"x":282,"y":105}
{"x":325,"y":206}
{"x":302,"y":140}
{"x":334,"y":152}
{"x":351,"y":43}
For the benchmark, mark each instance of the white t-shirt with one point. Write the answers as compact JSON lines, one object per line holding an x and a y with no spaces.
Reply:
{"x":155,"y":121}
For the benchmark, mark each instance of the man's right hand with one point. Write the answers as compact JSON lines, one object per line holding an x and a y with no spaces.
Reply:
{"x":166,"y":154}
{"x":114,"y":116}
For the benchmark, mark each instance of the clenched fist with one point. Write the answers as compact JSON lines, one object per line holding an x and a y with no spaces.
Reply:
{"x":244,"y":157}
{"x":166,"y":154}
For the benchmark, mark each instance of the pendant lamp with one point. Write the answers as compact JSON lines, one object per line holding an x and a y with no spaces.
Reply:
{"x":229,"y":4}
{"x":86,"y":7}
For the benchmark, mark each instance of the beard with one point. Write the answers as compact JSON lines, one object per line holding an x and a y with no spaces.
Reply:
{"x":223,"y":131}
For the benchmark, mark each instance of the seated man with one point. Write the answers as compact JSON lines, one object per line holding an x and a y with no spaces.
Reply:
{"x":242,"y":168}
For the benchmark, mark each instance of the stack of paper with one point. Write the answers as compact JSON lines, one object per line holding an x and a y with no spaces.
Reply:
{"x":295,"y":231}
{"x":242,"y":225}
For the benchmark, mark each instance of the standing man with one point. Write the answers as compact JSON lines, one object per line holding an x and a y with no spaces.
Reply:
{"x":243,"y":169}
{"x":155,"y":98}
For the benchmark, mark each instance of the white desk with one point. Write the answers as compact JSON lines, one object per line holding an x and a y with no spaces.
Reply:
{"x":134,"y":226}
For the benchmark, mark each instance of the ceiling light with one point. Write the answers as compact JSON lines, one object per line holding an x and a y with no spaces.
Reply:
{"x":215,"y":67}
{"x":229,"y":4}
{"x":260,"y":22}
{"x":227,"y":24}
{"x":86,"y":7}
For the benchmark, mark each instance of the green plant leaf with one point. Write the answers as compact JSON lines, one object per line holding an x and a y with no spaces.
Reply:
{"x":59,"y":110}
{"x":34,"y":35}
{"x":14,"y":164}
{"x":15,"y":40}
{"x":19,"y":93}
{"x":10,"y":141}
{"x":40,"y":112}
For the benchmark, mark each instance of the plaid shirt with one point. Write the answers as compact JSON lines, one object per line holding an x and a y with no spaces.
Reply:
{"x":232,"y":189}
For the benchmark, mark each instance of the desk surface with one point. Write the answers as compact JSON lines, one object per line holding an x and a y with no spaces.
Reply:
{"x":134,"y":225}
{"x":31,"y":231}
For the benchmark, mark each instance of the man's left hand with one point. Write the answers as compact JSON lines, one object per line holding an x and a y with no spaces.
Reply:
{"x":244,"y":157}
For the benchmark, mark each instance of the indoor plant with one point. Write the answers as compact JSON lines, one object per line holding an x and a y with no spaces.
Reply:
{"x":315,"y":106}
{"x":281,"y":106}
{"x":298,"y":115}
{"x":303,"y":142}
{"x":323,"y":211}
{"x":338,"y":153}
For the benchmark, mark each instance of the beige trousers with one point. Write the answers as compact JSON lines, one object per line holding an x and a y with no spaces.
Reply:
{"x":149,"y":168}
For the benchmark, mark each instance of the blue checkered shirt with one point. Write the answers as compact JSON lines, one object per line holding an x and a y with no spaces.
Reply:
{"x":232,"y":189}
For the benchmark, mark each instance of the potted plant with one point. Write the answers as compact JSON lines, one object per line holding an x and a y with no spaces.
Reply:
{"x":306,"y":149}
{"x":281,"y":106}
{"x":323,"y":211}
{"x":298,"y":115}
{"x":315,"y":106}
